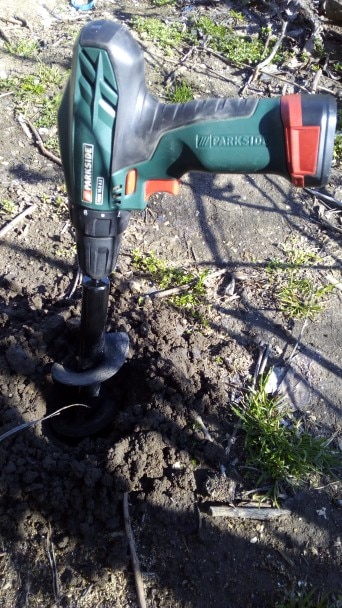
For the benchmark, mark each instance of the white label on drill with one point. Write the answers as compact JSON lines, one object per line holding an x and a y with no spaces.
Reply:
{"x":88,"y":160}
{"x":99,"y":191}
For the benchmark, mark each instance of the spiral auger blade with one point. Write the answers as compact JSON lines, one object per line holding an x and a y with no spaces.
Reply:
{"x":101,"y":356}
{"x":114,"y":356}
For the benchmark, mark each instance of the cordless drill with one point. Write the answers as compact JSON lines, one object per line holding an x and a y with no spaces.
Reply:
{"x":119,"y":145}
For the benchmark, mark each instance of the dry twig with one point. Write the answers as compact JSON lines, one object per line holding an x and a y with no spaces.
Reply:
{"x":6,"y":94}
{"x":298,"y":341}
{"x":261,"y":363}
{"x":330,"y":200}
{"x":172,"y":291}
{"x":76,"y":282}
{"x":52,"y":559}
{"x":26,"y":425}
{"x":286,"y":81}
{"x":200,"y":422}
{"x":39,"y":142}
{"x":9,"y":20}
{"x":232,"y":439}
{"x":4,"y":36}
{"x":273,"y":53}
{"x":263,"y":513}
{"x":316,"y":80}
{"x":16,"y":220}
{"x":22,"y":21}
{"x":135,"y":560}
{"x":170,"y":78}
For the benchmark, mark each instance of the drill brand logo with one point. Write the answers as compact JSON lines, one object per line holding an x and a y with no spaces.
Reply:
{"x":88,"y":163}
{"x":228,"y":141}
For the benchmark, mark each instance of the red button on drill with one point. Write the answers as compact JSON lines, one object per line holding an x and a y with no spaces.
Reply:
{"x":302,"y":142}
{"x":161,"y":185}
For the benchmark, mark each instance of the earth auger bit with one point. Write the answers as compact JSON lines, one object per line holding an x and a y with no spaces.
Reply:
{"x":119,"y":145}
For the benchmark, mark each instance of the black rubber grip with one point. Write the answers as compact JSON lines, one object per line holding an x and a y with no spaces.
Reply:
{"x":136,"y":138}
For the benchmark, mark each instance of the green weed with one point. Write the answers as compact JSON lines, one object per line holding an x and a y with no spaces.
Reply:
{"x":319,"y":48}
{"x":339,"y":120}
{"x":296,"y":293}
{"x":23,"y":48}
{"x":39,"y":90}
{"x":52,"y":144}
{"x":48,"y":111}
{"x":219,"y":37}
{"x":276,"y":444}
{"x":236,"y":15}
{"x":306,"y":599}
{"x":30,"y":87}
{"x":298,"y":253}
{"x":192,"y":300}
{"x":181,"y":93}
{"x":162,"y":2}
{"x":37,"y":96}
{"x":50,"y":76}
{"x":337,"y":66}
{"x":224,"y":40}
{"x":166,"y":35}
{"x":338,"y":148}
{"x":301,"y":298}
{"x":7,"y":207}
{"x":58,"y":200}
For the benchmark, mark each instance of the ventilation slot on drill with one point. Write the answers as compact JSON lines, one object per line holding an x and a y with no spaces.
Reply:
{"x":117,"y":194}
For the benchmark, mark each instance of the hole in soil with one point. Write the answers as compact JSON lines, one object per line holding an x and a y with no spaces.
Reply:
{"x":116,"y":411}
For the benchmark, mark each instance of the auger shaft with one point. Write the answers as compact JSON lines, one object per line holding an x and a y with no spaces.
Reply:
{"x":93,"y":321}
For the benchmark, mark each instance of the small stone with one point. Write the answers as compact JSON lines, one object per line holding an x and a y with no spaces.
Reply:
{"x":333,"y":10}
{"x":37,"y":302}
{"x":19,"y":361}
{"x":10,"y":468}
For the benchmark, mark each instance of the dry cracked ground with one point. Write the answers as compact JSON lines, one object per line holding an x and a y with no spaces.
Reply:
{"x":175,"y":446}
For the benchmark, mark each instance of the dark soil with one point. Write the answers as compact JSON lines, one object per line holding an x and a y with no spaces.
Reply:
{"x":65,"y":497}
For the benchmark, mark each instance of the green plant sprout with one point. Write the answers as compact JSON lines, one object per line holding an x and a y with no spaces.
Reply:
{"x":276,"y":444}
{"x":192,"y":300}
